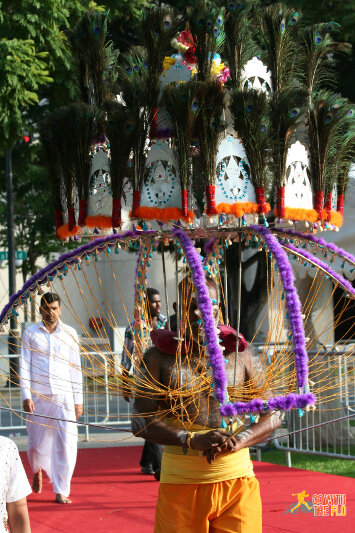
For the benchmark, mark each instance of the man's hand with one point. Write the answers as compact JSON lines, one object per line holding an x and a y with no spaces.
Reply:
{"x":214,"y":442}
{"x":78,"y":410}
{"x":28,"y":405}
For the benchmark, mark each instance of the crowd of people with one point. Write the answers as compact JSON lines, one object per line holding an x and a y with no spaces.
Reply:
{"x":206,"y":476}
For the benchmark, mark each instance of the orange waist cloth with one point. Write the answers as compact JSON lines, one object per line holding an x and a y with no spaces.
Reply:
{"x":193,"y":467}
{"x":232,"y":506}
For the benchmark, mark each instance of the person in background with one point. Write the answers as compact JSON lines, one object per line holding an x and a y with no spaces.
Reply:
{"x":14,"y":487}
{"x":151,"y":455}
{"x":51,"y":385}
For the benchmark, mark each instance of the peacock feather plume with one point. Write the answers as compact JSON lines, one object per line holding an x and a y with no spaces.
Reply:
{"x":287,"y":111}
{"x":159,"y":26}
{"x":239,"y":45}
{"x":317,"y":50}
{"x":96,"y":58}
{"x":345,"y":156}
{"x":206,"y":23}
{"x":183,"y":102}
{"x":120,"y":131}
{"x":209,"y":126}
{"x":81,"y":132}
{"x":140,"y":98}
{"x":47,"y":129}
{"x":279,"y":38}
{"x":251,"y":113}
{"x":330,"y":123}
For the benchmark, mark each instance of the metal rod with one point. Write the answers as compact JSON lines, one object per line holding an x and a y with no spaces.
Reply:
{"x":12,"y":264}
{"x":226,"y":311}
{"x":64,"y":420}
{"x":239,"y":297}
{"x":178,"y":327}
{"x":165,"y":286}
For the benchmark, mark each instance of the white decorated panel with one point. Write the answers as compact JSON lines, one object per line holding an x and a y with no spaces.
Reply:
{"x":161,"y":187}
{"x":100,"y":197}
{"x":233,"y":182}
{"x":298,"y":191}
{"x":256,"y":76}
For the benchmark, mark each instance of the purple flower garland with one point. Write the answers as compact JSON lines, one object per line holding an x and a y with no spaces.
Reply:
{"x":69,"y":258}
{"x":293,"y":303}
{"x":310,"y":257}
{"x":215,"y":353}
{"x":321,"y":242}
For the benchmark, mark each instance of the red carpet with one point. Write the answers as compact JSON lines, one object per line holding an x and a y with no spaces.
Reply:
{"x":111,"y":495}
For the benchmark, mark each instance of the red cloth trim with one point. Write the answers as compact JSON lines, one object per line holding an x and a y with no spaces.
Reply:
{"x":166,"y":340}
{"x":116,"y":212}
{"x":211,"y":200}
{"x":280,"y":202}
{"x":136,"y":200}
{"x":184,"y":196}
{"x":82,"y":212}
{"x":71,"y":218}
{"x":260,"y":198}
{"x":340,"y":203}
{"x":318,"y":203}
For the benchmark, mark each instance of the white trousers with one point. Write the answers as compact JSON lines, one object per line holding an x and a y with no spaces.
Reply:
{"x":52,"y":444}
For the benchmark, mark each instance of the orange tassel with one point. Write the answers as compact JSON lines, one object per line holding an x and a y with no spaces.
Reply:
{"x":295,"y":213}
{"x":98,"y":221}
{"x":239,"y":208}
{"x":166,"y":214}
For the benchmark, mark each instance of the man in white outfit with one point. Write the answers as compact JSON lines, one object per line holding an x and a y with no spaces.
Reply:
{"x":51,"y":385}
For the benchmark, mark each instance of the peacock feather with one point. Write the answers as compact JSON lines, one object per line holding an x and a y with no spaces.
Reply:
{"x":183,"y":103}
{"x":48,"y":135}
{"x":287,"y":111}
{"x":96,"y":58}
{"x":81,"y":131}
{"x":330,"y":123}
{"x":159,"y":26}
{"x":278,"y":32}
{"x":345,"y":155}
{"x":209,"y":126}
{"x":239,"y":45}
{"x":317,"y":55}
{"x":120,"y":131}
{"x":206,"y":23}
{"x":251,"y":113}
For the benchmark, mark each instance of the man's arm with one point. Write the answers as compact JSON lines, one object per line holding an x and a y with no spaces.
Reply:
{"x":76,"y":376}
{"x":25,"y":373}
{"x":147,"y":424}
{"x":18,"y":518}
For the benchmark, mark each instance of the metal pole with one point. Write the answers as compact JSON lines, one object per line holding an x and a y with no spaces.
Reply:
{"x":165,"y":287}
{"x":226,"y":313}
{"x":178,"y":328}
{"x":12,"y":267}
{"x":239,"y":297}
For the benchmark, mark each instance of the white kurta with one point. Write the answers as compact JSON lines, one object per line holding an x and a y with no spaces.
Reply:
{"x":50,"y":374}
{"x":14,"y":484}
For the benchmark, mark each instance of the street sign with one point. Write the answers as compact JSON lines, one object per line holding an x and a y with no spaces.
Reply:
{"x":19,"y":254}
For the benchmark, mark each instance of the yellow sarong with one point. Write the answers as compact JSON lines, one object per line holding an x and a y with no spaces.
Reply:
{"x":198,"y":497}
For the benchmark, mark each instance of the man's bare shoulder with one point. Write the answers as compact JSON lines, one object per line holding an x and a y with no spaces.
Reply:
{"x":154,"y":355}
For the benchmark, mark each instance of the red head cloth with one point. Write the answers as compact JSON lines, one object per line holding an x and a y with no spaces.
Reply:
{"x":166,"y":340}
